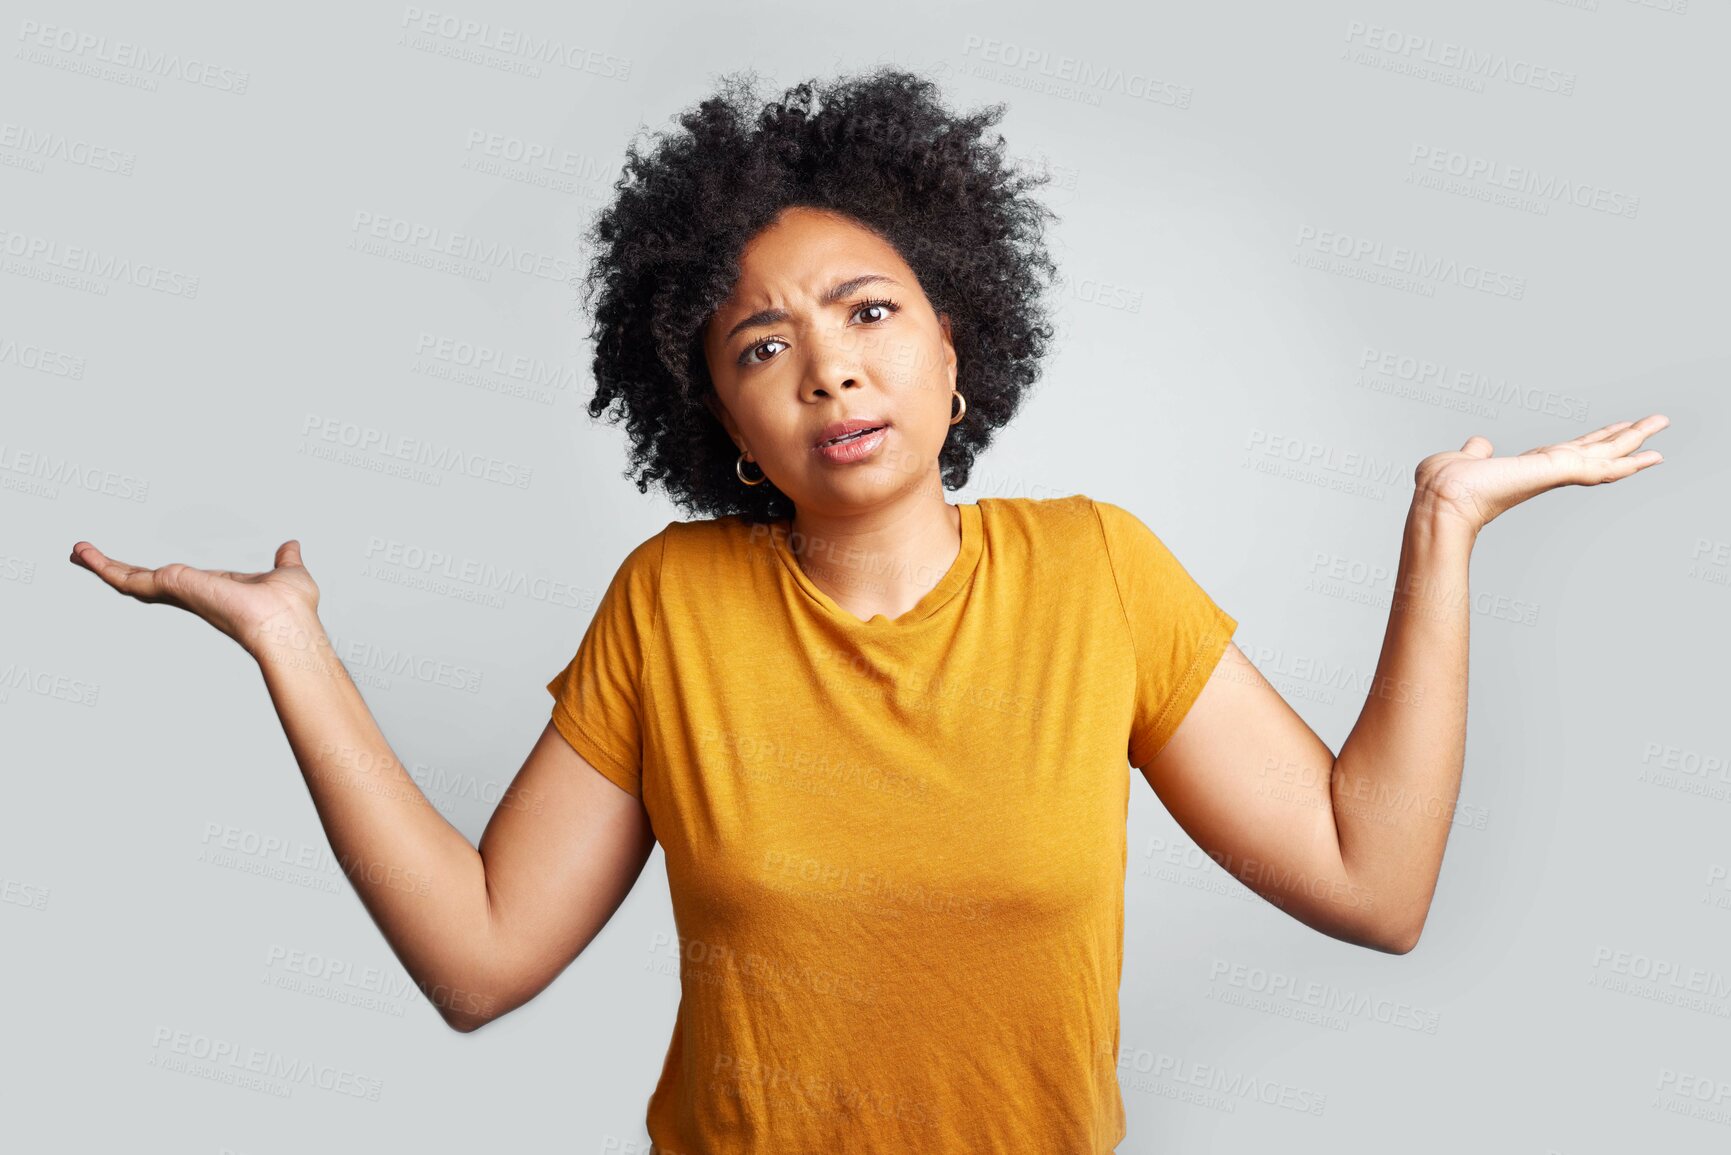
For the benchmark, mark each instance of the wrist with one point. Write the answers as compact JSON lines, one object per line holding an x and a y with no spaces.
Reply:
{"x":293,"y":635}
{"x":1436,"y":516}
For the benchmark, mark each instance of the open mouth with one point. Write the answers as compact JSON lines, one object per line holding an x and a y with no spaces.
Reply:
{"x":854,"y":436}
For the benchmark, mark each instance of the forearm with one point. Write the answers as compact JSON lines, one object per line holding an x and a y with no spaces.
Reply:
{"x":1397,"y":777}
{"x":417,"y":875}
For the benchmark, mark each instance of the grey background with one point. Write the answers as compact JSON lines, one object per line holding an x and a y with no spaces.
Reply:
{"x":1575,"y":967}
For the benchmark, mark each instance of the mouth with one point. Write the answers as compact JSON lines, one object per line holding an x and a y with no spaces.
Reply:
{"x":854,"y":436}
{"x":843,"y":432}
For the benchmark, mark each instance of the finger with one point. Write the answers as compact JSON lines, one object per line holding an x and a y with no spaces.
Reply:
{"x":1600,"y":434}
{"x":1599,"y":470}
{"x":98,"y":562}
{"x":1630,"y":437}
{"x":1477,"y":446}
{"x":288,"y":553}
{"x":1618,"y":468}
{"x":134,"y":581}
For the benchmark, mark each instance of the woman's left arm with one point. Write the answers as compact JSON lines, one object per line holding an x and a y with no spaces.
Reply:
{"x":1352,"y":844}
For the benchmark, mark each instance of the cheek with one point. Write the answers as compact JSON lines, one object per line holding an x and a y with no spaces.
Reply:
{"x":913,"y":370}
{"x":777,"y":428}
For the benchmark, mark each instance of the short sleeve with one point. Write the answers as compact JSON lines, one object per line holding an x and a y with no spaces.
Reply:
{"x":597,"y":697}
{"x":1177,"y":631}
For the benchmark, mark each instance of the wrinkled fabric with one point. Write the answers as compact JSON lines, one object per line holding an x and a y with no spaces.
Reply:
{"x":896,"y":848}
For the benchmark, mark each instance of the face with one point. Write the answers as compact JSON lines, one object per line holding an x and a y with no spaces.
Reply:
{"x":827,"y":324}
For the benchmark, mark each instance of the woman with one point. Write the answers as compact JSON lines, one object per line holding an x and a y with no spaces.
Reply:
{"x":881,"y":738}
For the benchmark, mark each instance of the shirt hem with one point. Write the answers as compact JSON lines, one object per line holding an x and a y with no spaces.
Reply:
{"x":1189,"y":687}
{"x":615,"y":769}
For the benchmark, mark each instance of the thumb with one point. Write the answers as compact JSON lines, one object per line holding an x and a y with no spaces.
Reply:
{"x":1477,"y":446}
{"x":288,"y":553}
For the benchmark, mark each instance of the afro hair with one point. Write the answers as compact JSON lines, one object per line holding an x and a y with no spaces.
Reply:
{"x":878,"y":148}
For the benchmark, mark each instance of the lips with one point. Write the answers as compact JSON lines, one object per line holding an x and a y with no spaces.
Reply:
{"x":837,"y":431}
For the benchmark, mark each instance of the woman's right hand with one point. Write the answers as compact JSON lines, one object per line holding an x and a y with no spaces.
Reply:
{"x":241,"y":605}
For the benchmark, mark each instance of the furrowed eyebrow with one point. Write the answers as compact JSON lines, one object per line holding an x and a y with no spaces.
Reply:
{"x":836,"y":292}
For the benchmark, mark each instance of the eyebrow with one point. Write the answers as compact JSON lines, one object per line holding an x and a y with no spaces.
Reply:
{"x":835,"y":293}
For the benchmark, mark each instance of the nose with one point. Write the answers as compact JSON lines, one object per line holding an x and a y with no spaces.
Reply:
{"x":831,"y":369}
{"x":816,"y":388}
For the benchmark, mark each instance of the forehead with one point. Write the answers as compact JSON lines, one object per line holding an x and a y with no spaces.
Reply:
{"x":800,"y":252}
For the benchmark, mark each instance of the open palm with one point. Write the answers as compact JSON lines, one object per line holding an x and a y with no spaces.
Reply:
{"x":238,"y":604}
{"x":1470,"y":484}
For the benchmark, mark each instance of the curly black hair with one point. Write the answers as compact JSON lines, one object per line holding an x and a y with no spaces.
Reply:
{"x":881,"y":149}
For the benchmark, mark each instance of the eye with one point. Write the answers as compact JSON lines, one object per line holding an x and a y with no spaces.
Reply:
{"x":883,"y":304}
{"x":887,"y":306}
{"x":745,"y":357}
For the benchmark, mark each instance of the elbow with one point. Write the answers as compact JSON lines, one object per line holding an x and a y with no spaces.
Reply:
{"x":1386,"y":935}
{"x":1398,"y":938}
{"x":464,"y":1009}
{"x":1402,"y":945}
{"x":1391,"y":927}
{"x":462,"y":1025}
{"x":467,"y":1021}
{"x":1381,"y":940}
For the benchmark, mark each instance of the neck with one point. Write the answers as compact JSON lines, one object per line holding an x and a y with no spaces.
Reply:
{"x":879,"y":561}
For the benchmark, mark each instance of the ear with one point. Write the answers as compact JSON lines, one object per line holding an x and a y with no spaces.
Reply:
{"x":949,"y":347}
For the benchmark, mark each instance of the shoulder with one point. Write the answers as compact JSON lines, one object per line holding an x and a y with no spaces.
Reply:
{"x":1120,"y":527}
{"x":1044,"y":520}
{"x":634,"y":588}
{"x":1130,"y":541}
{"x":1073,"y":527}
{"x":708,"y":548}
{"x":712,"y":537}
{"x":1141,"y":559}
{"x":644,"y":560}
{"x":1134,"y":551}
{"x":1052,"y":538}
{"x":662,"y":564}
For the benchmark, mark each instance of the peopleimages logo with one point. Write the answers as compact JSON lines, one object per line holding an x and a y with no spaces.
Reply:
{"x":42,"y":360}
{"x":460,"y":245}
{"x":510,"y":41}
{"x":1469,"y":382}
{"x":1090,"y":76}
{"x":1470,"y":61}
{"x":1412,"y":262}
{"x":125,"y":54}
{"x":105,"y":267}
{"x":367,"y":440}
{"x":37,"y":145}
{"x":228,"y":1062}
{"x":1544,"y":186}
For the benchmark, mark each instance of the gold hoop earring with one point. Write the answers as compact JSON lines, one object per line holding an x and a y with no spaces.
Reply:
{"x":739,"y":472}
{"x":964,"y":400}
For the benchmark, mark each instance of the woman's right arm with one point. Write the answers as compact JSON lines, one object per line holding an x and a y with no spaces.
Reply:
{"x":480,"y":930}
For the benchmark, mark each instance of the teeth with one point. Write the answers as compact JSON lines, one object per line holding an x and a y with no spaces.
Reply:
{"x":849,"y":436}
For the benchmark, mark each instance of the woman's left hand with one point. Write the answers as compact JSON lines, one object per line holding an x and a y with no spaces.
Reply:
{"x":1470,"y":485}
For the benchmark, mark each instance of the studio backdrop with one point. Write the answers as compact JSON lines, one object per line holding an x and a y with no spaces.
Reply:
{"x":314,"y":272}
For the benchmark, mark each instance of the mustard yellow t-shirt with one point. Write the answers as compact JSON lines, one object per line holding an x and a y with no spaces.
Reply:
{"x":896,"y":848}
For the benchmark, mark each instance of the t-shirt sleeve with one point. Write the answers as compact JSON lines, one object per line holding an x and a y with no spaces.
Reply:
{"x":1177,"y":631}
{"x":597,"y":697}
